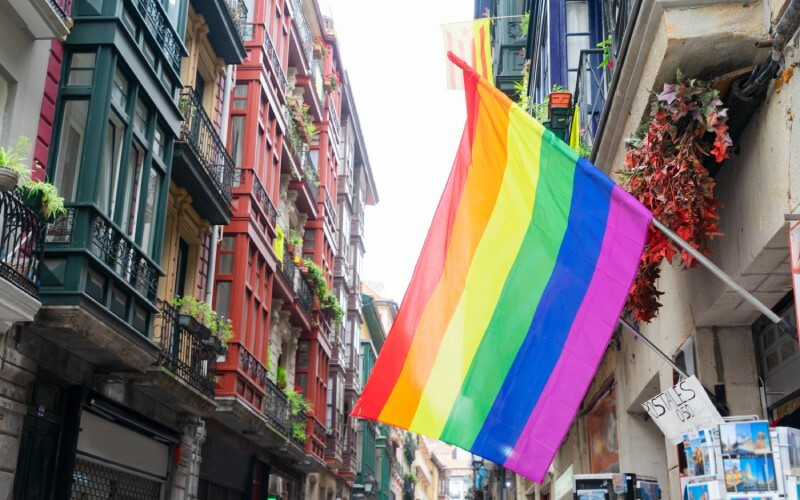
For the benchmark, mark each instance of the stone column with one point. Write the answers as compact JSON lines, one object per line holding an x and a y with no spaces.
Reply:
{"x":187,"y":472}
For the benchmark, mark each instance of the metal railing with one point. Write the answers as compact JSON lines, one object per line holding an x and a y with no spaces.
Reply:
{"x":123,"y":256}
{"x":162,"y":30}
{"x":276,"y":63}
{"x":184,"y":353}
{"x":22,"y":234}
{"x":202,"y":137}
{"x":330,"y":207}
{"x":590,"y":93}
{"x":300,"y":418}
{"x":250,"y":365}
{"x":310,"y":175}
{"x":276,"y":407}
{"x":616,"y":15}
{"x":319,"y":429}
{"x":238,"y":11}
{"x":299,"y":285}
{"x":302,"y":29}
{"x":262,"y":197}
{"x":334,"y":115}
{"x":63,"y":8}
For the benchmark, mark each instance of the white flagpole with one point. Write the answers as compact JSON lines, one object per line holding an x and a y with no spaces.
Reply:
{"x":746,"y":295}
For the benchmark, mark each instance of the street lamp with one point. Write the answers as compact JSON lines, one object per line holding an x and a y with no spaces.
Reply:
{"x":477,"y":465}
{"x":369,"y":484}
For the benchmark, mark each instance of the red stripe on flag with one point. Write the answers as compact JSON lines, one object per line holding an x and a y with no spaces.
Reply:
{"x":485,"y":68}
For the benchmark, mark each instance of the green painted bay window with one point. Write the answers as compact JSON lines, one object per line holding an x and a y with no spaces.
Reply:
{"x":110,"y":159}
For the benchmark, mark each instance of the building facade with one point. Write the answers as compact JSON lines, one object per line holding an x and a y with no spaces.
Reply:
{"x":746,"y":363}
{"x":208,"y":152}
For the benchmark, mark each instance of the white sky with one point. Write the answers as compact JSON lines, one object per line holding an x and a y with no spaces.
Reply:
{"x":395,"y":58}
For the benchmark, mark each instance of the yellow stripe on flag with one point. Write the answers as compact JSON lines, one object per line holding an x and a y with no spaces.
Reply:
{"x":482,"y":55}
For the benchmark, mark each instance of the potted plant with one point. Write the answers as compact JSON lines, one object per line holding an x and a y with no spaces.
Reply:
{"x":331,"y":82}
{"x":560,"y":98}
{"x":221,"y":333}
{"x":280,"y":378}
{"x":320,"y":48}
{"x":298,"y":406}
{"x":194,"y":315}
{"x":12,"y":164}
{"x":43,"y":198}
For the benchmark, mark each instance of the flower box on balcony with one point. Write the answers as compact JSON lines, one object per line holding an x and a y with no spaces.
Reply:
{"x":560,"y":99}
{"x":216,"y":344}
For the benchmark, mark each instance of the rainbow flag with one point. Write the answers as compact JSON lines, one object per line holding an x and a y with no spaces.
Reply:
{"x":472,"y":42}
{"x":517,"y":290}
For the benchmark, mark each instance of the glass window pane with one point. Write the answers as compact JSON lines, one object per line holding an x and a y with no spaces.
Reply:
{"x":119,"y":91}
{"x":153,"y":191}
{"x":226,"y":263}
{"x":577,"y":17}
{"x":237,"y":139}
{"x":240,"y":91}
{"x":223,"y":298}
{"x":228,"y":242}
{"x":140,"y":115}
{"x":160,"y":143}
{"x":81,"y":69}
{"x":173,"y":8}
{"x":133,"y":181}
{"x":108,"y":177}
{"x":788,"y":348}
{"x":70,"y":147}
{"x":574,"y":46}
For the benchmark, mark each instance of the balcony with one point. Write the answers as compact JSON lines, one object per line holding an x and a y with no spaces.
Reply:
{"x":264,"y":202}
{"x":299,"y":284}
{"x":44,"y":19}
{"x":591,"y":86}
{"x":330,"y":209}
{"x":303,"y":32}
{"x":201,"y":163}
{"x":98,"y":291}
{"x":21,"y":245}
{"x":276,"y":408}
{"x":507,"y":42}
{"x":304,"y":177}
{"x":184,"y":376}
{"x":227,"y":23}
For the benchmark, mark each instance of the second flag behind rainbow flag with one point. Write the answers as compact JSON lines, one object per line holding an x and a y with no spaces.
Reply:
{"x":519,"y":285}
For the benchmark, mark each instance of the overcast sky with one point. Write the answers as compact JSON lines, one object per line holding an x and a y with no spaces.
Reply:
{"x":394,"y":55}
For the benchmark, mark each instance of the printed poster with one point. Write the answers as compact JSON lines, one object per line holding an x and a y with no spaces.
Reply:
{"x":747,"y":457}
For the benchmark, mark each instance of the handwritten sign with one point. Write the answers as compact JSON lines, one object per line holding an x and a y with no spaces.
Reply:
{"x":682,"y":409}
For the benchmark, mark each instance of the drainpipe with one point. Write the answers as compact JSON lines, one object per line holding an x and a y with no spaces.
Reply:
{"x":215,"y":230}
{"x":747,"y":93}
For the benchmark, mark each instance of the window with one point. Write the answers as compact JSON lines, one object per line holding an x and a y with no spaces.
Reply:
{"x":180,"y":273}
{"x":70,"y":147}
{"x":131,"y":188}
{"x":237,"y":138}
{"x":240,"y":97}
{"x":119,"y":90}
{"x":159,"y":144}
{"x":153,"y":191}
{"x":173,"y":9}
{"x":81,"y":69}
{"x":223,"y":298}
{"x":577,"y":37}
{"x":108,"y":176}
{"x":140,"y":117}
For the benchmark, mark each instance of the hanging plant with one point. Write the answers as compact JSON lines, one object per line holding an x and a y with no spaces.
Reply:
{"x":664,"y":169}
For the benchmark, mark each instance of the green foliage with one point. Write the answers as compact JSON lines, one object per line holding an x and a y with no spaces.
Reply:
{"x":319,"y":285}
{"x":293,"y":238}
{"x":297,"y":404}
{"x":14,"y":158}
{"x":203,"y":313}
{"x":540,"y":110}
{"x":280,"y":379}
{"x":526,"y":19}
{"x":606,"y":46}
{"x":52,"y":205}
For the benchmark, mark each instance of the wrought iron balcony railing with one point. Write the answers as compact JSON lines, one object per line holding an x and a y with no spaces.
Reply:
{"x":238,"y":11}
{"x":275,"y":62}
{"x":330,"y":207}
{"x":202,"y":137}
{"x":63,"y":8}
{"x":123,"y":256}
{"x":276,"y":407}
{"x":302,"y":29}
{"x":162,"y":30}
{"x":184,"y":353}
{"x":590,"y":93}
{"x":616,"y":15}
{"x":263,"y":199}
{"x":299,"y":285}
{"x":310,"y":175}
{"x":22,"y":234}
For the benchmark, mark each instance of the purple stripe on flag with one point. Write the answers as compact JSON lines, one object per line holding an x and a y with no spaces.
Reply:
{"x":623,"y":242}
